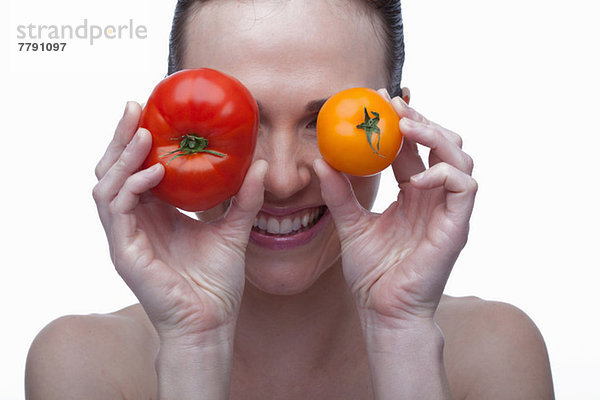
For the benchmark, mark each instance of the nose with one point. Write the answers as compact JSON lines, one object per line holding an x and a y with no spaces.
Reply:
{"x":289,"y":161}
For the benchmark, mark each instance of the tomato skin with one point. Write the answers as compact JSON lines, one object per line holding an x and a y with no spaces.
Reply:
{"x":345,"y":146}
{"x":212,"y":105}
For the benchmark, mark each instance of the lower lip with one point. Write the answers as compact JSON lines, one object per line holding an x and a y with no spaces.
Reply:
{"x":287,"y":242}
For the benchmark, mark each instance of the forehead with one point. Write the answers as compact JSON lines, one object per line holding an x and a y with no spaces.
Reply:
{"x":333,"y":44}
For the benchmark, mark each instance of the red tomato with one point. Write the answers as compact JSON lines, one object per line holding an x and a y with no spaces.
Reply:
{"x":204,"y":127}
{"x":358,"y":132}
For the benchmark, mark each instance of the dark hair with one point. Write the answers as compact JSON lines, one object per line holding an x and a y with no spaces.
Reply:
{"x":388,"y":10}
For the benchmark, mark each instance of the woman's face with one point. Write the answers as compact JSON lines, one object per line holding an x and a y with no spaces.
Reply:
{"x":292,"y":55}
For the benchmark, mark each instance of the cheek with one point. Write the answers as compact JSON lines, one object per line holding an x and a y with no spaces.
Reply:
{"x":365,"y":189}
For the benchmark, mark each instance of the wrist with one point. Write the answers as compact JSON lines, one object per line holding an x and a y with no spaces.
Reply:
{"x":406,"y":360}
{"x":375,"y":321}
{"x":197,"y":339}
{"x":195,"y":368}
{"x":422,"y":335}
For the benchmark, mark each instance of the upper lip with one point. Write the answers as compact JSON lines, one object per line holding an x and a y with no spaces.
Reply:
{"x":279,"y":211}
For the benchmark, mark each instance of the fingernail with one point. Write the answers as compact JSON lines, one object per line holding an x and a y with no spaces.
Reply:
{"x":135,"y":140}
{"x":263,"y":169}
{"x":385,"y":94}
{"x":155,"y":167}
{"x":126,"y":109}
{"x":318,"y":164}
{"x":398,"y":103}
{"x":141,"y":132}
{"x":401,"y":101}
{"x":418,"y":177}
{"x":407,"y":122}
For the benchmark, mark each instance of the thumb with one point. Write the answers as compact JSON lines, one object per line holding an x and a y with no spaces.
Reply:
{"x":339,"y":197}
{"x":249,"y":199}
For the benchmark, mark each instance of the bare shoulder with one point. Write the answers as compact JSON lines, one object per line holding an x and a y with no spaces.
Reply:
{"x":493,"y":350}
{"x":97,"y":356}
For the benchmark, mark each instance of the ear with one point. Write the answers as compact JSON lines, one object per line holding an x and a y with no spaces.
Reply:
{"x":406,"y":95}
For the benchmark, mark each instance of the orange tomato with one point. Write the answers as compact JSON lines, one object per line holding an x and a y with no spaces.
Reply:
{"x":358,"y":132}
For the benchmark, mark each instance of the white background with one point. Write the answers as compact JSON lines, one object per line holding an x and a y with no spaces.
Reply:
{"x":518,"y":79}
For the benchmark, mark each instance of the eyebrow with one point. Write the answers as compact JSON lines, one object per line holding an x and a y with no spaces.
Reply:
{"x":315,"y":105}
{"x":311,"y":107}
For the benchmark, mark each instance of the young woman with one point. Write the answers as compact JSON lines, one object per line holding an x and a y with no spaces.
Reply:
{"x":355,"y":311}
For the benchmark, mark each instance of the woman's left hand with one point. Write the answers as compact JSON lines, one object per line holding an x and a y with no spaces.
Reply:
{"x":397,"y":263}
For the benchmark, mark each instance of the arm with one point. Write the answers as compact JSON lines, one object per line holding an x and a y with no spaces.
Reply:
{"x":201,"y":369}
{"x":397,"y":263}
{"x":187,"y":274}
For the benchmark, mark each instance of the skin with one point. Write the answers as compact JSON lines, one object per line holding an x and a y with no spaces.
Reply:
{"x":347,"y":316}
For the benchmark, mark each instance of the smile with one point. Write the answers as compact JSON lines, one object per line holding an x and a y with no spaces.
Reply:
{"x":290,"y":224}
{"x":288,"y":231}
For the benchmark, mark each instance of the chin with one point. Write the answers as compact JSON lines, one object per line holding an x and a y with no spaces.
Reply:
{"x":281,"y":283}
{"x":295,"y":274}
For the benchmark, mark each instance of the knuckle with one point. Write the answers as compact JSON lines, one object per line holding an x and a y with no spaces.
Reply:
{"x":113,"y":206}
{"x":121,"y":164}
{"x":98,"y":193}
{"x":457,"y":139}
{"x":99,"y":170}
{"x":445,"y":168}
{"x":472,"y":185}
{"x":128,"y":183}
{"x":137,"y":183}
{"x":468,"y":163}
{"x":439,"y":136}
{"x":435,"y":132}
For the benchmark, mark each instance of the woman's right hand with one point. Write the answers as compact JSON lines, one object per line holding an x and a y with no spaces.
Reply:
{"x":188,"y":275}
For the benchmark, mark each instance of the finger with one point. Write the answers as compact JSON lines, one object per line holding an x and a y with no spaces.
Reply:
{"x":443,"y":148}
{"x":249,"y":199}
{"x":460,"y":187}
{"x":129,"y":196}
{"x":338,"y":195}
{"x":129,"y":162}
{"x":124,"y":230}
{"x":126,"y":128}
{"x":452,"y":136}
{"x":385,"y":94}
{"x":408,"y":162}
{"x":404,"y":111}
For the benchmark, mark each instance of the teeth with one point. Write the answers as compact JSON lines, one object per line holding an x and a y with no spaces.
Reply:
{"x":272,"y":225}
{"x":305,"y":219}
{"x":286,"y":225}
{"x":296,"y":224}
{"x":262,"y":223}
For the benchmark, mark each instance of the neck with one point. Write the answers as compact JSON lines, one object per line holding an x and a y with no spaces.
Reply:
{"x":309,"y":329}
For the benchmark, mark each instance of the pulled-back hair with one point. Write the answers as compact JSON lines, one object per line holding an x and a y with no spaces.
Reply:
{"x":389,"y":11}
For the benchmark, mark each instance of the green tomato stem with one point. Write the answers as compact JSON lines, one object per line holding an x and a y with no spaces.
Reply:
{"x":369,"y":125}
{"x":191,"y":144}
